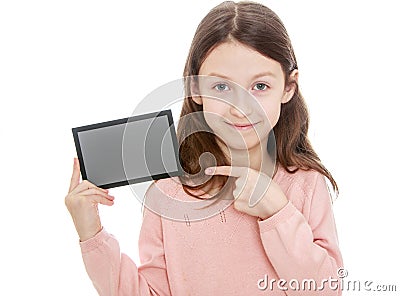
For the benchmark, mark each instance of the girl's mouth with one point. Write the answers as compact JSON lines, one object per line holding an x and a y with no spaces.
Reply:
{"x":242,"y":126}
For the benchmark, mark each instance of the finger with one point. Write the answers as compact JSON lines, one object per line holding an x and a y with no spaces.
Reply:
{"x":75,"y":176}
{"x":101,"y":200}
{"x":227,"y":171}
{"x":96,"y":191}
{"x":86,"y":185}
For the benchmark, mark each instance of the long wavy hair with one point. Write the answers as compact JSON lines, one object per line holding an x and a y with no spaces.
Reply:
{"x":259,"y":28}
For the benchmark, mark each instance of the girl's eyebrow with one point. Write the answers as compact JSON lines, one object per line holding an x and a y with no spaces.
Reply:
{"x":262,"y":74}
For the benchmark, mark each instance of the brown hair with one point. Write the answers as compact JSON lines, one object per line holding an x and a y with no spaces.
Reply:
{"x":258,"y":27}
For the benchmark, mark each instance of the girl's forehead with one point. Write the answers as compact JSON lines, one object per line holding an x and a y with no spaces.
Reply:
{"x":230,"y":58}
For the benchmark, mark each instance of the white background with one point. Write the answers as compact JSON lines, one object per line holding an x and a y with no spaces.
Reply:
{"x":70,"y":63}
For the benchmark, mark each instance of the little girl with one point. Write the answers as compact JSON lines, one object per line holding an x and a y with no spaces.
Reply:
{"x":278,"y":234}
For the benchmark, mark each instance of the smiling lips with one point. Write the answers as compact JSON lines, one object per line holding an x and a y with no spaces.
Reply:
{"x":240,"y":126}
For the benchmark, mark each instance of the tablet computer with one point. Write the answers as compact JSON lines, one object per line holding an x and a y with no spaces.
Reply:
{"x":129,"y":150}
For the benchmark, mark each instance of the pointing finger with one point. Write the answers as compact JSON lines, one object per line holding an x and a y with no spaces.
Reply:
{"x":227,"y":171}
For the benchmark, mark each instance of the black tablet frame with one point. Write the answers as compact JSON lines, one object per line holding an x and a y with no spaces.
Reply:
{"x":168,"y":113}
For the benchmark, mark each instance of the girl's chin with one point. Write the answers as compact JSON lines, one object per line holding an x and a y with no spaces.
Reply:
{"x":244,"y":147}
{"x":237,"y":140}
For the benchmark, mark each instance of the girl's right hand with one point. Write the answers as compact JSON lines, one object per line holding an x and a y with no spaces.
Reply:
{"x":82,"y":200}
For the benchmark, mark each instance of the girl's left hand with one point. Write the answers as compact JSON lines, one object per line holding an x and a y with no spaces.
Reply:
{"x":255,"y":193}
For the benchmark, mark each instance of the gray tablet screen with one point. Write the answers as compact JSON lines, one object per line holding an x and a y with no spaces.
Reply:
{"x":129,"y":150}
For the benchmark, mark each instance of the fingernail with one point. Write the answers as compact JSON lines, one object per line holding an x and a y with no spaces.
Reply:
{"x":208,"y":171}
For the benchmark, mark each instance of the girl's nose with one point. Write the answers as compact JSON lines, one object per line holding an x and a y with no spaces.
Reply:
{"x":238,"y":112}
{"x":241,"y":108}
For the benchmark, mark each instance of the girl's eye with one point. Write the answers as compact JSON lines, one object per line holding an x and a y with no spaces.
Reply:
{"x":260,"y":86}
{"x":221,"y":87}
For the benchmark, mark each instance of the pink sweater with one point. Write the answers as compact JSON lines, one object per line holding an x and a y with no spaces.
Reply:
{"x":228,"y":254}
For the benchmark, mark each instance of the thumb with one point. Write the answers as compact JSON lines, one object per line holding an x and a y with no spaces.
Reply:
{"x":75,"y":175}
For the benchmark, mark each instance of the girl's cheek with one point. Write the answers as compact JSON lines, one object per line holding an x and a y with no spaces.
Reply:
{"x":214,"y":106}
{"x":271,"y":112}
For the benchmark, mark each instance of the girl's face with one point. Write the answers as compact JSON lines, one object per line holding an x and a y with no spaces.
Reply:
{"x":242,"y":98}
